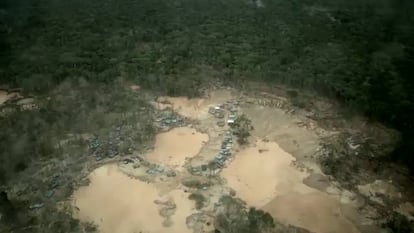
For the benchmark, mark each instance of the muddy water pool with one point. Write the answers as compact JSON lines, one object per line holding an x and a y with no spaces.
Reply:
{"x":173,"y":147}
{"x":117,"y":203}
{"x":263,"y":176}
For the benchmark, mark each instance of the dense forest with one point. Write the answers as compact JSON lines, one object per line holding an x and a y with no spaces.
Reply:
{"x":359,"y":52}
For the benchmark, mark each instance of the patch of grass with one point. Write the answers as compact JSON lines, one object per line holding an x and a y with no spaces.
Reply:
{"x":235,"y":217}
{"x":399,"y":224}
{"x":199,"y":199}
{"x":353,"y":166}
{"x":298,"y":102}
{"x":195,"y":183}
{"x":292,"y":93}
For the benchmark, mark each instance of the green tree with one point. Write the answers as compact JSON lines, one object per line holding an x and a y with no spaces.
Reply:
{"x":241,"y":128}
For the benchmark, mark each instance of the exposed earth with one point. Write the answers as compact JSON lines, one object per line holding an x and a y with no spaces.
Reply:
{"x":176,"y":184}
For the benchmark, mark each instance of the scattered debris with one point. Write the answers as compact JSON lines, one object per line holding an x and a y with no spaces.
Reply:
{"x":36,"y":206}
{"x":171,"y":173}
{"x":127,"y":161}
{"x":135,"y":87}
{"x":116,"y":142}
{"x":217,"y":112}
{"x":155,"y":169}
{"x":168,"y":119}
{"x":50,"y":193}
